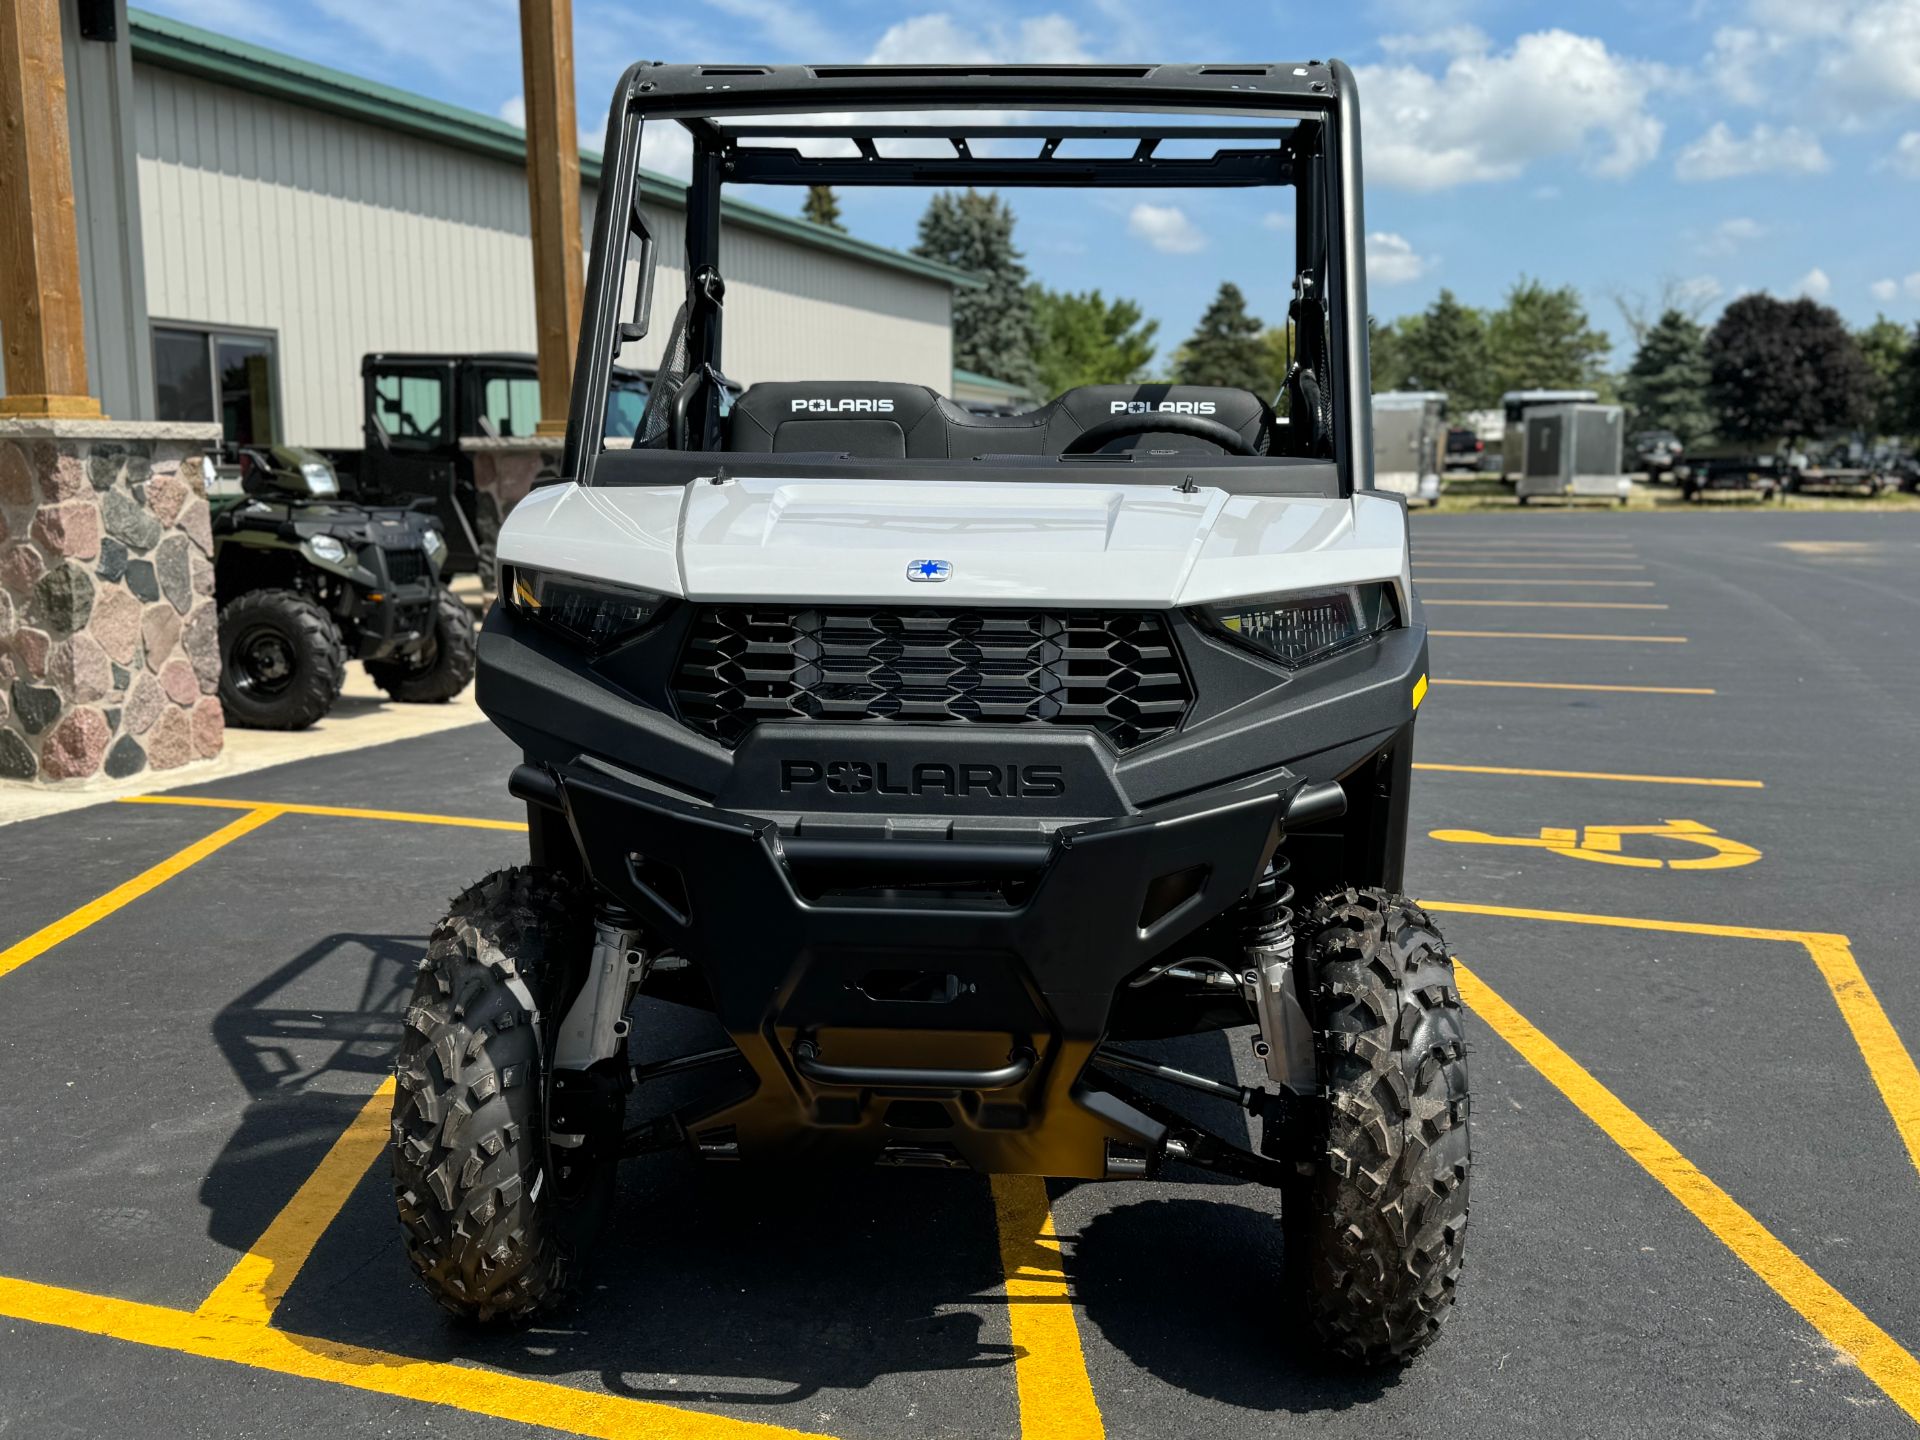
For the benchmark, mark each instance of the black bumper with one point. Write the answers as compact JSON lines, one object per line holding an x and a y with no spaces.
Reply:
{"x":914,"y":973}
{"x":935,"y":1025}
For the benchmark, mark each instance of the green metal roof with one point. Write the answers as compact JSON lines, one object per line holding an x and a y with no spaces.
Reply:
{"x":160,"y":40}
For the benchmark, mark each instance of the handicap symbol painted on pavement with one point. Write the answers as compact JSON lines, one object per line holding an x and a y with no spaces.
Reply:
{"x":1604,"y":844}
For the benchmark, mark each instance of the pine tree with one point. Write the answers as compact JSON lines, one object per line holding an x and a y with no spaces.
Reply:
{"x":1667,"y":383}
{"x":1904,"y":411}
{"x":1226,"y":348}
{"x":1447,"y":350}
{"x":822,"y":207}
{"x":1785,"y":370}
{"x":1542,"y":339}
{"x":993,"y":328}
{"x":1087,"y":340}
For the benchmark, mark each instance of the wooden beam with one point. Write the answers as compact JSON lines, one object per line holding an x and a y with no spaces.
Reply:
{"x":41,"y":323}
{"x":553,"y":192}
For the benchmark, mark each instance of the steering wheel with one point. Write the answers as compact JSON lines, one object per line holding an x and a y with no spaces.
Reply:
{"x":1161,"y":423}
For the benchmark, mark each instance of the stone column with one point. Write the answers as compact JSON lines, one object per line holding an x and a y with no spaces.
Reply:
{"x":505,"y":468}
{"x":109,"y":638}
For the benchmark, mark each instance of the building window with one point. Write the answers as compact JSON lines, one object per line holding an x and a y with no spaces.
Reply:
{"x":231,"y":376}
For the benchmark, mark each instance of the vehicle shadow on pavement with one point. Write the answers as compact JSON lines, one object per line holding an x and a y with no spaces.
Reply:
{"x":308,"y":1062}
{"x":751,"y":1289}
{"x":1228,"y":1339}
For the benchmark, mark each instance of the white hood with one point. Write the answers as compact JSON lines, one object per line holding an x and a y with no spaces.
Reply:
{"x":1004,"y":542}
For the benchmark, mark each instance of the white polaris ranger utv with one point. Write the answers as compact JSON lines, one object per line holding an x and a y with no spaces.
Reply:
{"x":945,"y":758}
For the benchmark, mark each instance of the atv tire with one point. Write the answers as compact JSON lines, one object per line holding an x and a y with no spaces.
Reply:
{"x":1375,"y":1220}
{"x":443,"y":665}
{"x":486,"y":1228}
{"x":486,"y":531}
{"x":282,"y":660}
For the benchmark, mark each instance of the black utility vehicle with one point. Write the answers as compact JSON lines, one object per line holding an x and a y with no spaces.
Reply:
{"x":951,"y":761}
{"x":307,"y":581}
{"x":418,"y":408}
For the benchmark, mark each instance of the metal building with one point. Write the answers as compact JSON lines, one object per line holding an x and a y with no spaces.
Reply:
{"x":298,"y":217}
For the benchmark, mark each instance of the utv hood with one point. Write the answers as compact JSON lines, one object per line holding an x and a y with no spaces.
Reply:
{"x":945,"y":542}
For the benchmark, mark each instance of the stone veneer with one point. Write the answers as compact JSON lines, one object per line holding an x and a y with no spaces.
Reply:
{"x":109,"y":639}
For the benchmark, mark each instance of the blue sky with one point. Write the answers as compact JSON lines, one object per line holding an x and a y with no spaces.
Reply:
{"x":1693,"y":148}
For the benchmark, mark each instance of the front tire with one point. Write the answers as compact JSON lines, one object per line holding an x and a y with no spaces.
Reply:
{"x":282,"y":660}
{"x":1376,"y":1219}
{"x":487,"y":1229}
{"x":443,"y":665}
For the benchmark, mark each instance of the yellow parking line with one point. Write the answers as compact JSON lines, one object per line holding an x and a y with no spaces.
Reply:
{"x":1561,"y":685}
{"x":1554,"y":604}
{"x":1496,"y":580}
{"x":1887,"y":1058}
{"x":468,"y":1388}
{"x":45,"y":938}
{"x":1630,"y":922}
{"x":1553,"y":635}
{"x":1056,"y":1395}
{"x":1879,"y":1356}
{"x":256,"y":1285}
{"x":408,"y":817}
{"x":1591,"y":775}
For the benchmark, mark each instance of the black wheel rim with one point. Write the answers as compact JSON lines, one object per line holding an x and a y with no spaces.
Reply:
{"x":263,"y":662}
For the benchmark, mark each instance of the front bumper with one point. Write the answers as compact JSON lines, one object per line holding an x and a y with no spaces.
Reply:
{"x":909,"y":1021}
{"x":913,"y":966}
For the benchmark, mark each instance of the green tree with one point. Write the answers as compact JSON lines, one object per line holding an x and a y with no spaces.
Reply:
{"x":822,"y":207}
{"x":1447,"y":350}
{"x":1884,"y":345}
{"x":1227,"y":348}
{"x":1389,"y":347}
{"x":1785,"y":370}
{"x":1905,"y":407}
{"x":993,"y":330}
{"x":1667,"y":383}
{"x":1543,"y":339}
{"x":1086,"y":339}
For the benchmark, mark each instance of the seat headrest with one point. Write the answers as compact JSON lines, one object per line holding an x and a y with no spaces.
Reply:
{"x":874,"y":420}
{"x":1088,"y":405}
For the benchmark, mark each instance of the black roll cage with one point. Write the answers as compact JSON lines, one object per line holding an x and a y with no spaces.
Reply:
{"x":1318,"y":154}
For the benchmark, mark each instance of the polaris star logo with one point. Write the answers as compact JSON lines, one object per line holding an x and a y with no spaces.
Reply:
{"x":843,"y":407}
{"x":878,"y":777}
{"x":930,"y":572}
{"x":1163,"y":407}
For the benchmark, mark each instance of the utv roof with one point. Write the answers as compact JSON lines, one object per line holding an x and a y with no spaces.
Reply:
{"x":717,"y":90}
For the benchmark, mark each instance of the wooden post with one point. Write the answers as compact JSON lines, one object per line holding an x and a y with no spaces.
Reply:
{"x":553,"y":192}
{"x":41,"y":324}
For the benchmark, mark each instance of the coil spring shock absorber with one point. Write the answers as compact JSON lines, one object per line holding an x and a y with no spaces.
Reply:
{"x":1285,"y":1042}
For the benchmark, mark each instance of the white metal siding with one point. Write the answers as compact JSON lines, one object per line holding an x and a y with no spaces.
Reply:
{"x":344,"y":238}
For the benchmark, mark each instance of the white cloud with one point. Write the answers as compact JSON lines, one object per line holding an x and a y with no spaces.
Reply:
{"x":1814,"y":284}
{"x":1865,"y":54}
{"x":1489,"y":115}
{"x":791,"y":28}
{"x":1277,"y":220}
{"x":1721,"y":155}
{"x":1452,"y":40}
{"x":1885,"y":289}
{"x":939,"y":39}
{"x":514,"y":111}
{"x":1905,"y":159}
{"x":1729,"y":235}
{"x":1391,"y":260}
{"x":1166,"y":228}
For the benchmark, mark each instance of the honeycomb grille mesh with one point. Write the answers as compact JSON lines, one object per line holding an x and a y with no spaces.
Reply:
{"x":1111,"y":671}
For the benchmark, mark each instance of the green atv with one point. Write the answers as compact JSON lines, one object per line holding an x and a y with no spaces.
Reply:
{"x":307,"y":580}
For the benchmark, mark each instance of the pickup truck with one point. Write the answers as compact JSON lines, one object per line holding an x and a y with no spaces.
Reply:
{"x":418,"y":407}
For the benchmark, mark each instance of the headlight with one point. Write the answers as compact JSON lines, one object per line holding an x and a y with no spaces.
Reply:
{"x":320,"y":478}
{"x":592,"y":612}
{"x":326,"y":548}
{"x":431,"y":539}
{"x":1299,"y":629}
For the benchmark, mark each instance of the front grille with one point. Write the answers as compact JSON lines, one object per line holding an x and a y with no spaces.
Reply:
{"x":404,"y":567}
{"x":1114,"y":672}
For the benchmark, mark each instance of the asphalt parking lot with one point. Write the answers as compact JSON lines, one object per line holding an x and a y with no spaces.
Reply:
{"x":1665,"y":817}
